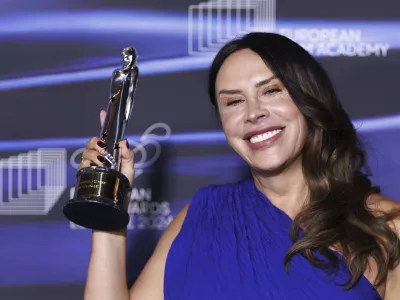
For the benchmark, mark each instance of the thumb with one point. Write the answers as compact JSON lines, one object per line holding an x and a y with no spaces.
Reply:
{"x":103,"y":114}
{"x":127,"y":161}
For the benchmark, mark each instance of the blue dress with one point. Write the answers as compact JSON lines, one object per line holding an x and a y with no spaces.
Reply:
{"x":232,"y":246}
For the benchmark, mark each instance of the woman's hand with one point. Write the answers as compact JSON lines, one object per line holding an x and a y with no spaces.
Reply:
{"x":93,"y":154}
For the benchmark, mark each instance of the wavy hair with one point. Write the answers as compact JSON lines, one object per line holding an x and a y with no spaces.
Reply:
{"x":334,"y":165}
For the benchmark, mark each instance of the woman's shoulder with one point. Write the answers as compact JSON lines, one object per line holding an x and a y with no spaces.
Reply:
{"x":382,"y":205}
{"x":382,"y":202}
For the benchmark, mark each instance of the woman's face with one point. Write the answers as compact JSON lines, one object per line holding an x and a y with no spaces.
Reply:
{"x":260,"y":120}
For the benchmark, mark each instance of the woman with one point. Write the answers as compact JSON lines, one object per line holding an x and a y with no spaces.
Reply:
{"x":306,"y":225}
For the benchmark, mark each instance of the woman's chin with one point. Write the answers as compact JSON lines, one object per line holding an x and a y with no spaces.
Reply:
{"x":269,"y":169}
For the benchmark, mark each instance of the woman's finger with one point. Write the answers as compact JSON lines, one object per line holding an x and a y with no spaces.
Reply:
{"x":93,"y":156}
{"x":96,"y":143}
{"x":86,"y":163}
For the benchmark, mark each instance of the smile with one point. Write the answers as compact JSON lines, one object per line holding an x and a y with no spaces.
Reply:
{"x":263,"y":139}
{"x":264,"y":136}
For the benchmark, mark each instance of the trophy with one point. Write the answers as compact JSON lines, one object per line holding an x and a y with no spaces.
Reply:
{"x":100,"y":190}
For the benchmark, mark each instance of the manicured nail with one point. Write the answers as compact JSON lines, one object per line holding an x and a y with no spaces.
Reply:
{"x":101,"y":144}
{"x":101,"y":158}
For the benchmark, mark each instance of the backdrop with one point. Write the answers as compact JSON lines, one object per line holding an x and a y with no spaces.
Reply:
{"x":56,"y":60}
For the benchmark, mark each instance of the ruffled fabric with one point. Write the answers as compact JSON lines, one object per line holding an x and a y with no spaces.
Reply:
{"x":232,"y":246}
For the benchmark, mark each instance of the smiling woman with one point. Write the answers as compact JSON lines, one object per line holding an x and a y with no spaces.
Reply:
{"x":309,"y":206}
{"x":307,"y":224}
{"x":280,"y":113}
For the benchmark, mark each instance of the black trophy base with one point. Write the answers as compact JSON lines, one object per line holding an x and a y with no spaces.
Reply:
{"x":98,"y":200}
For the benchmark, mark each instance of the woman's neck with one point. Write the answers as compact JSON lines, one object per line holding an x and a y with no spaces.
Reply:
{"x":286,"y":190}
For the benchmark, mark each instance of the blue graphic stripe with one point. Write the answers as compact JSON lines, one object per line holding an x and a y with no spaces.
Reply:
{"x":51,"y":24}
{"x":211,"y":137}
{"x":145,"y":25}
{"x":153,"y":67}
{"x":124,"y":22}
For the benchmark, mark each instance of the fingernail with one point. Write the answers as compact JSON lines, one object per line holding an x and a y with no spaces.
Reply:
{"x":101,"y":158}
{"x":101,"y":109}
{"x":127,"y":144}
{"x":93,"y":164}
{"x":101,"y":144}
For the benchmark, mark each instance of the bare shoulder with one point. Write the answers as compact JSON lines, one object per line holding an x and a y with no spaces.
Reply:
{"x":380,"y":204}
{"x":149,"y":285}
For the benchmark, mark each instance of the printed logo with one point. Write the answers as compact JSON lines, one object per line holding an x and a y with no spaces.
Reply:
{"x":31,"y":183}
{"x":214,"y":23}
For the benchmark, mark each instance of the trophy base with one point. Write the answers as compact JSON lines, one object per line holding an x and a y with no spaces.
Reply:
{"x":98,"y":200}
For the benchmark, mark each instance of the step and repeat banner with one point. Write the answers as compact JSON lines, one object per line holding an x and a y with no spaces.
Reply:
{"x":56,"y":61}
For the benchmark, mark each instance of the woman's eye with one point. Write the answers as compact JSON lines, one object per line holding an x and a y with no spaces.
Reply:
{"x":233,"y":102}
{"x":272,"y":91}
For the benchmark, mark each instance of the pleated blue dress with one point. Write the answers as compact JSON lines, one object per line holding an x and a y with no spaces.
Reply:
{"x":232,"y":246}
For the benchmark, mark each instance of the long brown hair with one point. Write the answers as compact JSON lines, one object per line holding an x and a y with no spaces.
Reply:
{"x":334,"y":164}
